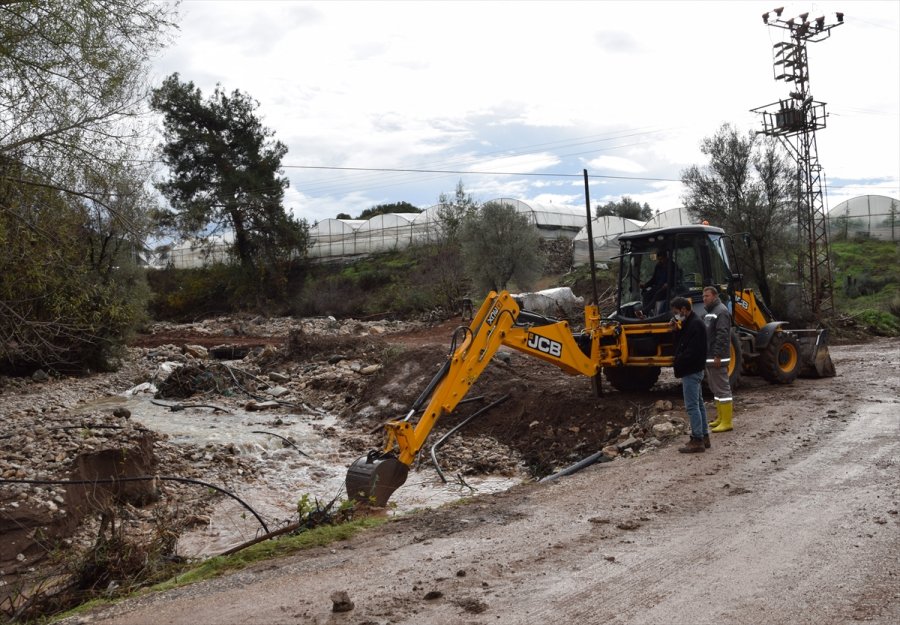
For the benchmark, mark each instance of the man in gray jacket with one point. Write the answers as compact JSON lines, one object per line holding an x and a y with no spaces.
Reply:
{"x":718,"y":336}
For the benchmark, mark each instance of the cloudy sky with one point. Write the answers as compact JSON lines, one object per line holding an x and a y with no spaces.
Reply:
{"x":383,"y":102}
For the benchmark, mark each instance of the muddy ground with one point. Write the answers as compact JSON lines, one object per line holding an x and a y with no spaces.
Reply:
{"x":794,"y":513}
{"x":342,"y":378}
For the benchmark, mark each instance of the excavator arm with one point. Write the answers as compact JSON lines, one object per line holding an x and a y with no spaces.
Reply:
{"x":374,"y":477}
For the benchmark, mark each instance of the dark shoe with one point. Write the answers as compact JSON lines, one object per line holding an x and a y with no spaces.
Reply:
{"x":694,"y":446}
{"x":706,"y":441}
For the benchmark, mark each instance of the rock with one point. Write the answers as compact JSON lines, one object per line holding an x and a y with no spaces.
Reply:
{"x":612,"y":451}
{"x":40,"y":376}
{"x":630,"y":443}
{"x":278,"y":391}
{"x":279,"y":377}
{"x":431,"y":595}
{"x":664,"y":430}
{"x":340,"y":601}
{"x":197,"y":351}
{"x":122,"y":412}
{"x":662,"y":405}
{"x":333,"y":360}
{"x":370,"y":369}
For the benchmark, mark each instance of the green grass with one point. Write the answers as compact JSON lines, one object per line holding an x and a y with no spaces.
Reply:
{"x":220,"y":565}
{"x":867,"y":283}
{"x":269,"y":549}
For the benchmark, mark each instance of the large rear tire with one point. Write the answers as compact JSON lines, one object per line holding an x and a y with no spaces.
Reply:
{"x":779,"y":363}
{"x":735,"y":364}
{"x":631,"y":379}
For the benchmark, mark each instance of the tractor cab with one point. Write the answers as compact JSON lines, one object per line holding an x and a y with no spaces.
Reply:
{"x":657,"y":265}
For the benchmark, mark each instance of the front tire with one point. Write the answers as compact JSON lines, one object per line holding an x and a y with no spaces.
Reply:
{"x":632,"y":379}
{"x":779,"y":363}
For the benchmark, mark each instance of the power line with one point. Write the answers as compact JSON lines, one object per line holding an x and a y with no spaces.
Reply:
{"x":475,"y":172}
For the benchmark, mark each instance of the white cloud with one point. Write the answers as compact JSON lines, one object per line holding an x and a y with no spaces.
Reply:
{"x":626,"y":88}
{"x":615,"y":163}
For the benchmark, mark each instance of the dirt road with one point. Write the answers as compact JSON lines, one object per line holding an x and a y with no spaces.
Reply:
{"x":791,"y":518}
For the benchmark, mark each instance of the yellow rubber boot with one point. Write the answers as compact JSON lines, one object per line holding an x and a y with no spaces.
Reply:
{"x":723,"y":422}
{"x":715,"y":423}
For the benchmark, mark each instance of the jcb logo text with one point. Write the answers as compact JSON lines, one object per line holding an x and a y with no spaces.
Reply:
{"x":543,"y":344}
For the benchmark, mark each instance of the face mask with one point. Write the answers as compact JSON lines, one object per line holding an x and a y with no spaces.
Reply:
{"x":679,"y":317}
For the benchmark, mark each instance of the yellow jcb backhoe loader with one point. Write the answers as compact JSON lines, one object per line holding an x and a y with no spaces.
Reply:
{"x":629,"y":346}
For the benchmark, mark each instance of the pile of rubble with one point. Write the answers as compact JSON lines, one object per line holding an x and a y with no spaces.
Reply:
{"x":650,"y":430}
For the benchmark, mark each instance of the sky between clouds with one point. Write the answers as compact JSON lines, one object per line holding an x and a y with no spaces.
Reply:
{"x":529,"y":90}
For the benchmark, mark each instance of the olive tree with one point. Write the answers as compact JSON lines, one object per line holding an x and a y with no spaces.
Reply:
{"x":500,"y":246}
{"x":749,"y":188}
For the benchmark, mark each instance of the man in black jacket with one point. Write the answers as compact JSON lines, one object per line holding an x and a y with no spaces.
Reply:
{"x":690,"y":361}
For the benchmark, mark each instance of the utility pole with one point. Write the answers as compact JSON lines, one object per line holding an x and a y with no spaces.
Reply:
{"x":794,"y":121}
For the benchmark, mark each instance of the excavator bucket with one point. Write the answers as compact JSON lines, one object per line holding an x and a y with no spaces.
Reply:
{"x":374,"y":477}
{"x":815,"y":360}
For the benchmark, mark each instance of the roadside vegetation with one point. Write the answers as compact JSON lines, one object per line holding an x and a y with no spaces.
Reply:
{"x":867,"y":284}
{"x":120,"y":564}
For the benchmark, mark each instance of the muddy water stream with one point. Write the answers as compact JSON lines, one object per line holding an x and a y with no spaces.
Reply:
{"x":284,"y":475}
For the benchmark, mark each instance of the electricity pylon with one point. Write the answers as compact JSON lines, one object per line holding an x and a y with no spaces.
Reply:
{"x":794,"y":121}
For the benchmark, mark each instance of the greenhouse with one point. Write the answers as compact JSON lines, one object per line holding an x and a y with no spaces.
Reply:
{"x":334,"y":237}
{"x":551,"y":220}
{"x":426,"y":225}
{"x":669,"y":218}
{"x":606,"y":231}
{"x":869,"y":216}
{"x":385,"y":232}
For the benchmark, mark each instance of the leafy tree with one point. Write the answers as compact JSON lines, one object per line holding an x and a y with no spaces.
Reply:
{"x":441,"y":258}
{"x":891,"y":219}
{"x":226,"y":176}
{"x":500,"y":246}
{"x":72,"y":288}
{"x":73,"y":88}
{"x":343,"y":216}
{"x":627,"y":209}
{"x":748,"y":187}
{"x":451,"y":212}
{"x":381,"y":209}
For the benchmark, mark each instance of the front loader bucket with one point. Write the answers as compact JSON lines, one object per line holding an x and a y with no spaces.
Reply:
{"x":815,"y":360}
{"x":373,"y":478}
